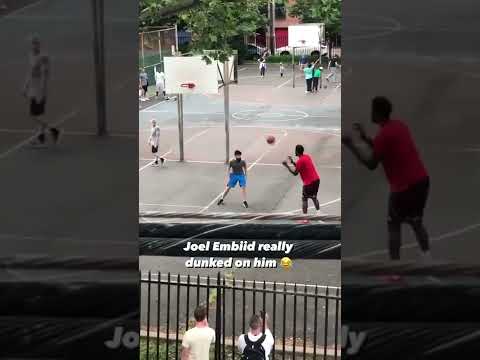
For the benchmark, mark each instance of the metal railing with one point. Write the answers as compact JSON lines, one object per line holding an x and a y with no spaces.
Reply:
{"x":304,"y":319}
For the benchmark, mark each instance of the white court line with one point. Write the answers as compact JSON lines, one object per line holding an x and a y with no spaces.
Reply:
{"x":74,"y":133}
{"x":460,"y":340}
{"x":313,"y":207}
{"x":28,"y":140}
{"x":241,"y":69}
{"x":15,"y":13}
{"x":193,"y":137}
{"x":286,"y":82}
{"x":290,"y":128}
{"x":414,"y":244}
{"x":156,"y":111}
{"x":185,"y":113}
{"x":152,"y":106}
{"x":223,"y":163}
{"x":233,"y":225}
{"x":170,"y":205}
{"x":248,"y":169}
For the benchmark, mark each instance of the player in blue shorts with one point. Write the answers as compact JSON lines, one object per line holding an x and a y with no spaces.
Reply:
{"x":237,"y":173}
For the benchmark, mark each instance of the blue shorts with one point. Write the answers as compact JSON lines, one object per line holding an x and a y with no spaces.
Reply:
{"x":234,"y":178}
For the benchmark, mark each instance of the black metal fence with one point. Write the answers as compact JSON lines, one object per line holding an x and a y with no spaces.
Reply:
{"x":304,"y":319}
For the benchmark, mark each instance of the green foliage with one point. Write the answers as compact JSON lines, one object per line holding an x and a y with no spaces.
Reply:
{"x":217,"y":24}
{"x":162,"y":12}
{"x":323,"y":11}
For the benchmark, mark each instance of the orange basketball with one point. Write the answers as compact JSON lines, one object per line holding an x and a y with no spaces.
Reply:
{"x":270,"y":139}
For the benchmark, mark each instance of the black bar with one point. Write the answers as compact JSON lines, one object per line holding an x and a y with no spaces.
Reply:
{"x":178,"y":317}
{"x":254,"y":297}
{"x":274,"y":316}
{"x":326,"y":327}
{"x":224,"y":305}
{"x":284,"y":318}
{"x":315,"y":325}
{"x":336,"y":322}
{"x":188,"y":302}
{"x":263,"y":305}
{"x":243,"y":307}
{"x":158,"y":316}
{"x":208,"y":296}
{"x":148,"y":313}
{"x":268,"y":291}
{"x":99,"y":58}
{"x":168,"y":316}
{"x":218,"y":321}
{"x":198,"y":290}
{"x":233,"y":320}
{"x":305,"y":322}
{"x":294,"y":337}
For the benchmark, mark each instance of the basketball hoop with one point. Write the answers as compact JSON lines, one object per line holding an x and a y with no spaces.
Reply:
{"x":190,"y":86}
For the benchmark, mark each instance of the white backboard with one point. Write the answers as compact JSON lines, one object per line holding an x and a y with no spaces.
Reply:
{"x":190,"y":70}
{"x":311,"y":35}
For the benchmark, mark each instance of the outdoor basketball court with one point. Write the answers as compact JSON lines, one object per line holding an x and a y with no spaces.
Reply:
{"x":258,"y":107}
{"x":45,"y":190}
{"x":432,"y":82}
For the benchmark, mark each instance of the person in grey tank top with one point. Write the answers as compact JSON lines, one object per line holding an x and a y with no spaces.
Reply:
{"x":237,"y":173}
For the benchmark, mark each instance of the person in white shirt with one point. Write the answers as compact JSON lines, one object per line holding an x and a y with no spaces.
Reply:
{"x":262,"y":66}
{"x":160,"y":83}
{"x":35,"y":89}
{"x":196,"y":341}
{"x":154,"y":142}
{"x":256,"y":345}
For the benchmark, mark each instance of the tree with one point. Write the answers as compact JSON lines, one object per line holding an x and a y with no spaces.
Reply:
{"x":162,"y":12}
{"x":323,"y":11}
{"x":218,"y":24}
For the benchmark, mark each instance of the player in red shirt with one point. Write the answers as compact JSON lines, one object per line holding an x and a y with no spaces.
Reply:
{"x":395,"y":149}
{"x":311,"y":181}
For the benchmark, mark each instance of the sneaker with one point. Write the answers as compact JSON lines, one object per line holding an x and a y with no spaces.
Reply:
{"x":55,"y":134}
{"x":245,"y":205}
{"x":155,"y":163}
{"x":220,"y":202}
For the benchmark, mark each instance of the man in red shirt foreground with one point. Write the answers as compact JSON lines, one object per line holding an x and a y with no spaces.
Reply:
{"x":311,"y":181}
{"x":409,"y":181}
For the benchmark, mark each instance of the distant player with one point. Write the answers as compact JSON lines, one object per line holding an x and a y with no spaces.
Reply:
{"x":160,"y":84}
{"x":333,"y":66}
{"x":237,"y":173}
{"x":317,"y":76}
{"x":409,"y":182}
{"x":282,"y":69}
{"x":154,"y":142}
{"x":35,"y":89}
{"x":262,"y":66}
{"x":143,"y":83}
{"x":309,"y":175}
{"x":308,"y":72}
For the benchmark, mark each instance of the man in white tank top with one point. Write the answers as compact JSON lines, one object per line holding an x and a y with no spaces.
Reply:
{"x":35,"y":89}
{"x":154,"y":142}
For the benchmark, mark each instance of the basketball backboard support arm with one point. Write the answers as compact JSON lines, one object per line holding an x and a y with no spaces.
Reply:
{"x":99,"y":56}
{"x":226,"y":102}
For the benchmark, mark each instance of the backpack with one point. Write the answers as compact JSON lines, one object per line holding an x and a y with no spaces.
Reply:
{"x":254,"y":350}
